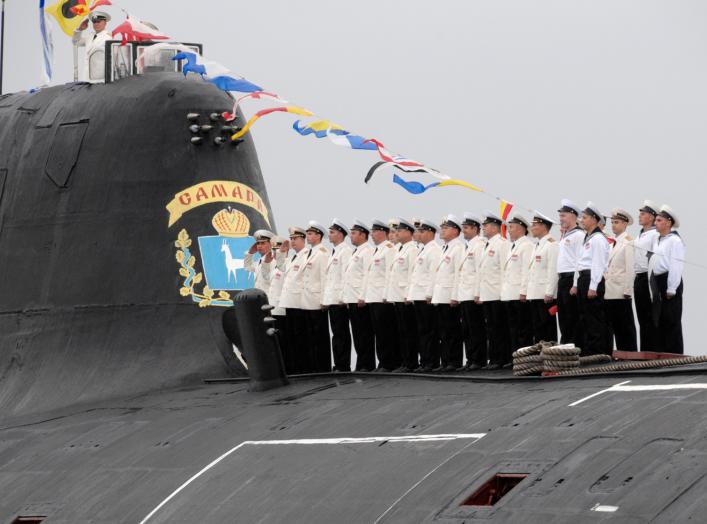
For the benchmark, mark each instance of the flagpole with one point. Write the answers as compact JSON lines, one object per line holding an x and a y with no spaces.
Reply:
{"x":2,"y":43}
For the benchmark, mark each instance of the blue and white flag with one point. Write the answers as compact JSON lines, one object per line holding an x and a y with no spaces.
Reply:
{"x":47,"y":45}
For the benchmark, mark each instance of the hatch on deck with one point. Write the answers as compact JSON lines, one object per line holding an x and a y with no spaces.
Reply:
{"x":494,"y":489}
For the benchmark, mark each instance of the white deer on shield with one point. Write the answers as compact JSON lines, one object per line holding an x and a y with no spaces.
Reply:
{"x":232,"y":264}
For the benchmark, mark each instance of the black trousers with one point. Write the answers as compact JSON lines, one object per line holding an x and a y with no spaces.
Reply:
{"x":619,"y":314}
{"x":384,"y":328}
{"x":544,"y":324}
{"x":668,"y":316}
{"x":644,"y":312}
{"x":407,"y":334}
{"x":340,"y":336}
{"x":363,"y":339}
{"x":475,"y":340}
{"x":318,"y":355}
{"x":520,"y":324}
{"x":592,"y":317}
{"x":568,"y":311}
{"x":297,"y":355}
{"x":428,"y":341}
{"x":497,"y":332}
{"x":449,"y":327}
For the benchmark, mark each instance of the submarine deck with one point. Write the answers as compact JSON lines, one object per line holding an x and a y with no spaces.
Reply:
{"x":367,"y":448}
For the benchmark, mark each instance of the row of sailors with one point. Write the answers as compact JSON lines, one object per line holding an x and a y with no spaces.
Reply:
{"x":415,"y":304}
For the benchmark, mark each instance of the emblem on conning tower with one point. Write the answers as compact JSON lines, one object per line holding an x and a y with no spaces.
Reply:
{"x":222,"y":263}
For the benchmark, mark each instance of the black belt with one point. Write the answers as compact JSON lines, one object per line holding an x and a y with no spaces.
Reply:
{"x":567,"y":274}
{"x":585,"y":272}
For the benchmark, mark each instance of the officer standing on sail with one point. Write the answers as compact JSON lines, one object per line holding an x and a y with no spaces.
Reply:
{"x":490,"y":280}
{"x":642,"y":246}
{"x":515,"y":283}
{"x":466,"y":290}
{"x":353,"y":295}
{"x":333,"y":295}
{"x":382,"y":312}
{"x":619,"y":283}
{"x":95,"y":61}
{"x":542,"y":279}
{"x":291,"y":301}
{"x":420,"y":294}
{"x":570,"y":247}
{"x":449,"y":325}
{"x":666,"y":268}
{"x":591,"y":285}
{"x":263,"y":268}
{"x":398,"y":285}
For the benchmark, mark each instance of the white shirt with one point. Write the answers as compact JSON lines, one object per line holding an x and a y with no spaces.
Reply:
{"x":595,"y":257}
{"x":401,"y":272}
{"x":291,"y":294}
{"x":570,"y":250}
{"x":542,"y":276}
{"x":95,"y":59}
{"x":447,"y":272}
{"x":377,"y":272}
{"x":642,"y":245}
{"x":261,"y":269}
{"x":516,"y":268}
{"x":668,"y":257}
{"x":467,"y":287}
{"x":278,"y":278}
{"x":422,"y":280}
{"x":314,"y":277}
{"x":491,"y":268}
{"x":355,"y":274}
{"x":620,"y":273}
{"x":334,"y":283}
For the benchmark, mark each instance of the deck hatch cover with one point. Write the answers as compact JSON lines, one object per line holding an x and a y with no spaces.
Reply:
{"x":494,"y":489}
{"x":29,"y":520}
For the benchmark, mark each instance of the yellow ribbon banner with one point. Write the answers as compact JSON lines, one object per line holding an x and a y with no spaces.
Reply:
{"x":215,"y":191}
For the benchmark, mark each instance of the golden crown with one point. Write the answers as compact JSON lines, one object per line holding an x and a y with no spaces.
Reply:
{"x":231,"y":223}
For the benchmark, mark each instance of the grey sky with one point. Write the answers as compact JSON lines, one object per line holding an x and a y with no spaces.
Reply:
{"x":533,"y":101}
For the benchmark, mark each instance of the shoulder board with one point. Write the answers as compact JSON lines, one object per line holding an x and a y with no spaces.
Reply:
{"x":551,"y":239}
{"x":388,"y":244}
{"x":322,"y":249}
{"x":628,"y":238}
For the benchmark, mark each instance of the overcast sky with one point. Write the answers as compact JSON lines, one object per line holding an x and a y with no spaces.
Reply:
{"x":533,"y":101}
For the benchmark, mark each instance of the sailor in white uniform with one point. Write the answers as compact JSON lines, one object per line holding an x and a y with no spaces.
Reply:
{"x":398,"y":285}
{"x":570,"y":248}
{"x":542,"y":279}
{"x":466,"y":290}
{"x":666,"y":268}
{"x":291,"y":301}
{"x":493,"y":257}
{"x":353,"y":295}
{"x":591,"y":268}
{"x":95,"y":44}
{"x":642,"y":246}
{"x":382,"y":312}
{"x":515,"y":283}
{"x":620,"y":277}
{"x":449,"y":327}
{"x":333,"y":295}
{"x":263,"y":267}
{"x":420,"y":294}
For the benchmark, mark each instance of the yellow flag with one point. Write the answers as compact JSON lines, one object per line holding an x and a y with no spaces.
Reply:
{"x":67,"y":20}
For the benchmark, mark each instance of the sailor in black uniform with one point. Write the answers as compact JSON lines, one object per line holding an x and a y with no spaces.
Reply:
{"x":666,"y":268}
{"x":642,"y":246}
{"x":591,"y":267}
{"x":567,"y":258}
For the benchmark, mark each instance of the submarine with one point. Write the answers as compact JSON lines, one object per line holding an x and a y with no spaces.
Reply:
{"x":122,"y":399}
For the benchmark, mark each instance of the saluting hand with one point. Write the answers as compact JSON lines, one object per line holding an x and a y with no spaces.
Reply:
{"x":84,"y":25}
{"x":252,"y":248}
{"x":285,"y":247}
{"x":268,"y":257}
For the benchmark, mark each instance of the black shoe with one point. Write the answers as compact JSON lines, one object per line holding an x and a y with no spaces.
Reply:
{"x":509,"y":365}
{"x":492,"y":367}
{"x":402,"y":369}
{"x":440,"y":369}
{"x":381,"y":369}
{"x":450,"y":368}
{"x":462,"y":369}
{"x":423,"y":369}
{"x":363,"y":370}
{"x":473,"y":367}
{"x":337,"y":370}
